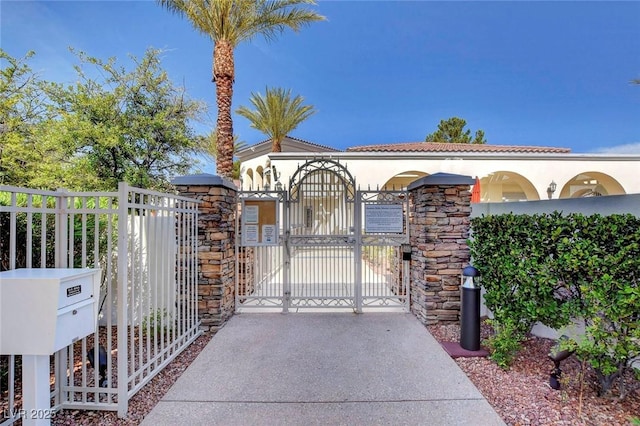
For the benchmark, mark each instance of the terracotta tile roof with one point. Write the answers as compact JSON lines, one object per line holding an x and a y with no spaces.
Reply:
{"x":456,"y":147}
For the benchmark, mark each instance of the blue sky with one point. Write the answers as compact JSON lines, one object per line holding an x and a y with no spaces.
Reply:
{"x":527,"y":73}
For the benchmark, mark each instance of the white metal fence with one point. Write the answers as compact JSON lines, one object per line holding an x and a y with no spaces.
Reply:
{"x":145,"y":242}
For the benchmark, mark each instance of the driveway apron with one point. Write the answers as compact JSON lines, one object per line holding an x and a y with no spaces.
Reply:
{"x":323,"y":368}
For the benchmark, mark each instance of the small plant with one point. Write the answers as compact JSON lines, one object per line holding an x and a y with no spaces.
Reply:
{"x":635,"y":421}
{"x":565,"y":381}
{"x":158,"y":323}
{"x":505,"y":343}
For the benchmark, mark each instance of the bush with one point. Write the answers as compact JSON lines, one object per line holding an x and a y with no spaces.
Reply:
{"x":516,"y":258}
{"x":551,"y":268}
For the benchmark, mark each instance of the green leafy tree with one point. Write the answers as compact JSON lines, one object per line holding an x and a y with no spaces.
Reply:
{"x":21,"y":109}
{"x":276,"y":114}
{"x":131,"y":126}
{"x":452,"y":131}
{"x":228,"y":23}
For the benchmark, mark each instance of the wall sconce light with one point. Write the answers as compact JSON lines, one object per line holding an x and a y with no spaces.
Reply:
{"x":551,"y":189}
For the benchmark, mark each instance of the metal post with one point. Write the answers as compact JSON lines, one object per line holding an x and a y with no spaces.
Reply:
{"x":286,"y":272}
{"x":35,"y":390}
{"x":406,"y":262}
{"x":357,"y":250}
{"x":122,"y":298}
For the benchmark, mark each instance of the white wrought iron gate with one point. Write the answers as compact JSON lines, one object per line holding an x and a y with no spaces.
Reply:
{"x":322,"y":244}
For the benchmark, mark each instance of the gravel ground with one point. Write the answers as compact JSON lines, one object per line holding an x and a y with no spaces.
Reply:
{"x":143,"y":401}
{"x":521,"y":395}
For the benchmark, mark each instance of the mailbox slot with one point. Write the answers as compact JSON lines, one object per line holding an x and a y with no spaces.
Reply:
{"x":75,"y":290}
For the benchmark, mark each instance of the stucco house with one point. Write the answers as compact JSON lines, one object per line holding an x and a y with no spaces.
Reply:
{"x":506,"y":173}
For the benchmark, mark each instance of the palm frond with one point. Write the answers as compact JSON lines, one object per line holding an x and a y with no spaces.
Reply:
{"x":277,"y":113}
{"x":239,"y":20}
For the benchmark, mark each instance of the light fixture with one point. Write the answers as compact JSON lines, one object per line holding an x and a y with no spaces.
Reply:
{"x":557,"y":355}
{"x":470,"y":309}
{"x":276,"y":178}
{"x":551,"y":189}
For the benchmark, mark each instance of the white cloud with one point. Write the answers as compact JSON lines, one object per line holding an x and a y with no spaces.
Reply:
{"x":629,"y":148}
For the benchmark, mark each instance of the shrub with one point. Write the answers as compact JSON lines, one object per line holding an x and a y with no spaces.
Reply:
{"x":551,"y":268}
{"x":515,"y":256}
{"x":604,"y":262}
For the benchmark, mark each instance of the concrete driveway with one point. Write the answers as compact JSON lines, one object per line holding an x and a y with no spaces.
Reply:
{"x":323,"y":369}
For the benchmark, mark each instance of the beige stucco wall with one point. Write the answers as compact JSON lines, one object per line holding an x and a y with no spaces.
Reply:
{"x":532,"y":172}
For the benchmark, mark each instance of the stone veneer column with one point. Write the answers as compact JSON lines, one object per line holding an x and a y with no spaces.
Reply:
{"x":216,"y":245}
{"x":440,"y":206}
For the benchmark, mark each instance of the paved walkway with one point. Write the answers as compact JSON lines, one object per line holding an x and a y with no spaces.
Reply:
{"x":323,"y":369}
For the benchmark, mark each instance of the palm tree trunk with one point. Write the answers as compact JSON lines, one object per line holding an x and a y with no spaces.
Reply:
{"x":276,"y":145}
{"x":223,"y":76}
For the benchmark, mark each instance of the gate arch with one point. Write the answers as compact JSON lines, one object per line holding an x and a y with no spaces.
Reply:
{"x":321,"y":200}
{"x":322,"y":165}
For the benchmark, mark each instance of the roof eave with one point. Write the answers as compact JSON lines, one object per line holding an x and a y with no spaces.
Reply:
{"x":455,"y":155}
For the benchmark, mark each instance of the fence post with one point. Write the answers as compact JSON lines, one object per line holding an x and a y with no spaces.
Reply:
{"x":357,"y":250}
{"x":216,"y":245}
{"x":438,"y":233}
{"x":122,"y":298}
{"x":61,"y":245}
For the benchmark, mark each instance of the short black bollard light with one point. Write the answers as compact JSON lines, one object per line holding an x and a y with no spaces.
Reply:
{"x":470,"y":309}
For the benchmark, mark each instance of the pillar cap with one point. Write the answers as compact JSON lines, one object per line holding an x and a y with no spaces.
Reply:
{"x":442,"y":179}
{"x":203,"y":179}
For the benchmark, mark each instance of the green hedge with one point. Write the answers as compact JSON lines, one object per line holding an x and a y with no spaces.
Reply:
{"x":550,"y":268}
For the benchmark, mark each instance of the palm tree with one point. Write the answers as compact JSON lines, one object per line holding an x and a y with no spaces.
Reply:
{"x":276,"y":114}
{"x":210,"y":147}
{"x":229,"y":22}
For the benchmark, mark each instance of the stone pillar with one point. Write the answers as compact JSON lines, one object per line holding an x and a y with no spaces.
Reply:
{"x":440,"y":209}
{"x":216,"y":245}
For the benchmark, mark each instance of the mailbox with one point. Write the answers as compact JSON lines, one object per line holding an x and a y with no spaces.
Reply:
{"x":45,"y":310}
{"x":41,"y":312}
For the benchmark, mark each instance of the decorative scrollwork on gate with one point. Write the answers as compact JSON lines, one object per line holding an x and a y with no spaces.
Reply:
{"x":326,"y":167}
